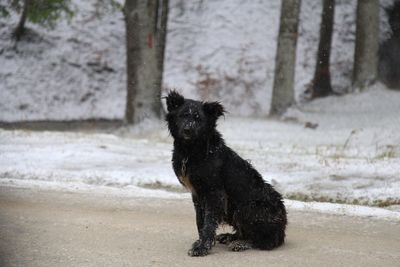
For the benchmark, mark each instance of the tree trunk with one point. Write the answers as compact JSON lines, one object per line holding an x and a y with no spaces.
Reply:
{"x":162,"y":39}
{"x":19,"y":30}
{"x":321,"y":84}
{"x":367,"y":43}
{"x":283,"y":89}
{"x":145,"y":41}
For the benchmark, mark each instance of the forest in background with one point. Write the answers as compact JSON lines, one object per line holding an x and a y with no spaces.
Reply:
{"x":73,"y":65}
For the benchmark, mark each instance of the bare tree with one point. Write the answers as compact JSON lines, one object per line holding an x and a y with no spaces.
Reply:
{"x":43,"y":12}
{"x":367,"y":43}
{"x":389,"y":50}
{"x":19,"y":30}
{"x":321,"y":84}
{"x":146,"y":22}
{"x":162,"y":38}
{"x":283,"y":89}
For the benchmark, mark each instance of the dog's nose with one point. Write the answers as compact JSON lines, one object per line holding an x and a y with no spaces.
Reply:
{"x":186,"y":130}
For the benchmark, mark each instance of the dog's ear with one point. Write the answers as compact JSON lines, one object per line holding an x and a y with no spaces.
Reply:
{"x":174,"y":100}
{"x":213,"y":109}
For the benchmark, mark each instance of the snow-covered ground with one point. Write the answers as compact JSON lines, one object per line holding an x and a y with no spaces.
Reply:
{"x":75,"y":71}
{"x":352,"y":156}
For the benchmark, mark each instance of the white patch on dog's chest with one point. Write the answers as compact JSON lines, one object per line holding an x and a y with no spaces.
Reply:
{"x":186,"y":182}
{"x":184,"y":177}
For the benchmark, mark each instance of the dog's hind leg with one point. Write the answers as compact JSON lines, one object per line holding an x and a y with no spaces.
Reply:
{"x":268,"y":236}
{"x":265,"y":229}
{"x":240,"y":245}
{"x":226,"y":238}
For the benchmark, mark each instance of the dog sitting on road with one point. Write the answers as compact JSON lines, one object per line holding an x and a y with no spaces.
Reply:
{"x":225,"y":188}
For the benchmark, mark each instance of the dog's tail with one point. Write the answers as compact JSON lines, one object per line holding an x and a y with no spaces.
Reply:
{"x":270,"y":236}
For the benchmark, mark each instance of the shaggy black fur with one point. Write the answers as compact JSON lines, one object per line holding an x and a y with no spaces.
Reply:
{"x":225,"y":188}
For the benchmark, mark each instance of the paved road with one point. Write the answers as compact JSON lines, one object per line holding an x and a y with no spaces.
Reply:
{"x":48,"y":228}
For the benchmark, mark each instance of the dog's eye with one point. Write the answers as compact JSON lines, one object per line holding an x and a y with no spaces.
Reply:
{"x":196,"y":117}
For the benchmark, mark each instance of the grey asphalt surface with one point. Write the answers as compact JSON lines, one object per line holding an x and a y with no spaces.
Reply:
{"x":52,"y":228}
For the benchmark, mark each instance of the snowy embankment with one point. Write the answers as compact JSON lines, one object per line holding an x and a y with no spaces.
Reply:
{"x":352,"y":156}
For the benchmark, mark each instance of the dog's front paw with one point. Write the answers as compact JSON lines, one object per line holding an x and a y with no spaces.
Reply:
{"x":199,"y":249}
{"x":240,"y":245}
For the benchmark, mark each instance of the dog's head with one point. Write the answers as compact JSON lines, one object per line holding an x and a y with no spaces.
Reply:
{"x":190,"y":120}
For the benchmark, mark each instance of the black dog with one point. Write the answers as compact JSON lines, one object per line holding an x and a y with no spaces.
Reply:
{"x":224,"y":187}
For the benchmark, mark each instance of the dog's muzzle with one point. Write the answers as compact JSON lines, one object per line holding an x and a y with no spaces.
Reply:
{"x":187,"y":133}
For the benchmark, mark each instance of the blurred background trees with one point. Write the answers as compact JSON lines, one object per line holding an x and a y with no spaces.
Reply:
{"x":365,"y":71}
{"x":146,"y":27}
{"x":321,"y":83}
{"x":389,"y":51}
{"x":283,"y":90}
{"x":43,"y":12}
{"x":146,"y":36}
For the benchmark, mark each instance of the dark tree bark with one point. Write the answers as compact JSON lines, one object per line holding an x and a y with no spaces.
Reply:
{"x":162,"y":38}
{"x":19,"y":30}
{"x":367,"y":43}
{"x":146,"y":23}
{"x":389,"y":51}
{"x":283,"y":89}
{"x":321,"y":84}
